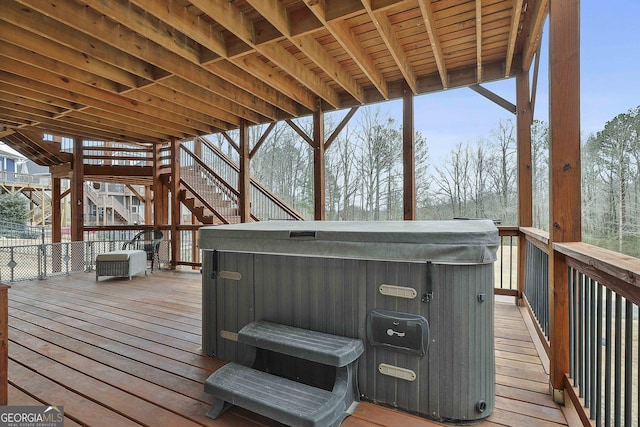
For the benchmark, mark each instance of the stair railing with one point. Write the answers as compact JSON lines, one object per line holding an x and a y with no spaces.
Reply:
{"x":211,"y":189}
{"x":264,"y":204}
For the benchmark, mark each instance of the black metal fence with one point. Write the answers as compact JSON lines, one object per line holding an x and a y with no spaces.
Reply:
{"x":536,"y":285}
{"x":604,"y":350}
{"x":39,"y":261}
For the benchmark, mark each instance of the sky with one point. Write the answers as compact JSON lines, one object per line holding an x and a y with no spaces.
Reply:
{"x":609,"y":83}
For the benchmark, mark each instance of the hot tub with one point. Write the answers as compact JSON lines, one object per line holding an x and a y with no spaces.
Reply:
{"x":418,"y":293}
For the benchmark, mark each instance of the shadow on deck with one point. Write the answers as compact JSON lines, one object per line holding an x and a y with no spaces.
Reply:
{"x":120,"y":352}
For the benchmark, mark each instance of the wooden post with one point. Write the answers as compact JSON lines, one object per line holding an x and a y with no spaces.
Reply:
{"x":564,"y":176}
{"x":176,"y":215}
{"x":77,"y":206}
{"x":408,"y":156}
{"x":244,"y":181}
{"x":56,"y":225}
{"x":525,"y":181}
{"x":77,"y":192}
{"x":4,"y":345}
{"x":319,"y":210}
{"x":158,"y":199}
{"x":148,"y":205}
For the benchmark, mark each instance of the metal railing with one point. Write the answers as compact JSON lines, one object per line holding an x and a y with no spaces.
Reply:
{"x":41,"y":260}
{"x":536,"y":286}
{"x":603,"y":333}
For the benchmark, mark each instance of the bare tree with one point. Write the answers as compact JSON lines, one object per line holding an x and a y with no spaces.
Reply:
{"x":504,"y":172}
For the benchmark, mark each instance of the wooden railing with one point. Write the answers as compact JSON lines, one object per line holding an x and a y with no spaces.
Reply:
{"x":603,"y":325}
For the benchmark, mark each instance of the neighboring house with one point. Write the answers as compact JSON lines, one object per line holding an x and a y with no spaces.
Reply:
{"x":11,"y":162}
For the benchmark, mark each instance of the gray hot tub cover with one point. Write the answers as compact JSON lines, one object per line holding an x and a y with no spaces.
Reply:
{"x":451,"y":242}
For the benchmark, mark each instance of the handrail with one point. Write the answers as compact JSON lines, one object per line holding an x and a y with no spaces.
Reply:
{"x":15,"y":178}
{"x":602,"y":307}
{"x":230,"y":172}
{"x":620,"y":273}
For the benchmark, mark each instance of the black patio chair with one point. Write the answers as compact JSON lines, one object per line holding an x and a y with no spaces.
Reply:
{"x":148,"y":241}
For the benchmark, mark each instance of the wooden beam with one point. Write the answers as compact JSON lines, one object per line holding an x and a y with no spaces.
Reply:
{"x":494,"y":97}
{"x":319,"y":209}
{"x":159,"y":202}
{"x":340,"y":126}
{"x":430,"y":25}
{"x":342,"y":33}
{"x":565,"y":223}
{"x":301,"y":132}
{"x":534,"y":38}
{"x":77,"y":193}
{"x":524,"y":119}
{"x":408,"y":157}
{"x":148,"y":205}
{"x":513,"y":34}
{"x":244,"y":180}
{"x":176,"y":214}
{"x":262,"y":139}
{"x":278,"y":16}
{"x":135,"y":192}
{"x":479,"y":40}
{"x":390,"y":39}
{"x":56,"y":223}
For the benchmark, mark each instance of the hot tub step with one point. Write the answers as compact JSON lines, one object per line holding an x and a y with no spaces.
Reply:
{"x":281,"y":399}
{"x":316,"y":346}
{"x":278,"y":398}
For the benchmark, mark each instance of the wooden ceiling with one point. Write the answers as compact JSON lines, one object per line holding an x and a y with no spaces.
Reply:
{"x":152,"y":70}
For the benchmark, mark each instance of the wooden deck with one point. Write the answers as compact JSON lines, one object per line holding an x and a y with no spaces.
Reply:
{"x":120,"y":352}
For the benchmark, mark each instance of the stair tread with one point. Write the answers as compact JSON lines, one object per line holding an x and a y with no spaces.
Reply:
{"x":311,"y":345}
{"x":272,"y":396}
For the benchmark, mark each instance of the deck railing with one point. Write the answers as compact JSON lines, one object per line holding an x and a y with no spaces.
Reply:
{"x":603,"y":325}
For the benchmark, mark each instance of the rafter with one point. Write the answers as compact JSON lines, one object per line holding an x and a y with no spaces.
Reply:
{"x":537,"y":17}
{"x":479,"y":39}
{"x":343,"y":35}
{"x":381,"y":22}
{"x":152,"y":50}
{"x":240,"y":26}
{"x":513,"y":35}
{"x":430,"y":25}
{"x":275,"y":13}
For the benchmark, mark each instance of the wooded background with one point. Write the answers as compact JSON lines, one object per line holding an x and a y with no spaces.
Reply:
{"x":474,"y":180}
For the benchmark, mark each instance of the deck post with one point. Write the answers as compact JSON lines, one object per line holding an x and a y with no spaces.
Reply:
{"x":524,"y":117}
{"x":77,"y":206}
{"x":565,"y":224}
{"x":157,"y":186}
{"x":148,"y":207}
{"x":77,"y":192}
{"x":56,"y":225}
{"x":408,"y":155}
{"x":176,"y":215}
{"x":319,"y":209}
{"x":4,"y":345}
{"x":244,"y":180}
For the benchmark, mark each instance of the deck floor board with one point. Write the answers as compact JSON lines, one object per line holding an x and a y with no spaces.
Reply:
{"x":128,"y":352}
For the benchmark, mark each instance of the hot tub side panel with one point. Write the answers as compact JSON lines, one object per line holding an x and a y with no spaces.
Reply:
{"x":334,"y":295}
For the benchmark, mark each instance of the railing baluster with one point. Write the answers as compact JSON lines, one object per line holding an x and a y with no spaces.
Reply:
{"x":580,"y":308}
{"x":617,"y":396}
{"x":628,"y":362}
{"x":573,"y":350}
{"x":608,"y":357}
{"x":594,"y":344}
{"x":598,"y":411}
